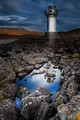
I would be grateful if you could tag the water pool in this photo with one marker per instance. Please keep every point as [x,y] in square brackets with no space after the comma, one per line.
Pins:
[37,79]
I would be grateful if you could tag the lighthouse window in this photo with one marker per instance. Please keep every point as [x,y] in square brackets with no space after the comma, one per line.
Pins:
[48,78]
[50,11]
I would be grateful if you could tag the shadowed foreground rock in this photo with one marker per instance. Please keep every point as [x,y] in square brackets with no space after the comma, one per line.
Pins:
[9,91]
[45,111]
[7,110]
[32,102]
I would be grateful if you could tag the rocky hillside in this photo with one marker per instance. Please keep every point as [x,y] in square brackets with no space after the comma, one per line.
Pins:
[8,33]
[19,58]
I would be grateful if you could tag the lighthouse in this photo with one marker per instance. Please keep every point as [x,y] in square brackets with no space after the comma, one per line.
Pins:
[51,14]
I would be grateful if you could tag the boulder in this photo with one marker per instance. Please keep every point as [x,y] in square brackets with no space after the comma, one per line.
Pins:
[71,110]
[22,74]
[22,92]
[37,66]
[8,92]
[45,111]
[32,102]
[29,68]
[7,73]
[18,68]
[7,110]
[42,93]
[72,89]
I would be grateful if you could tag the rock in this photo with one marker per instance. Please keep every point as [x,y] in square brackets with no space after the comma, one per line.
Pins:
[70,110]
[40,60]
[72,89]
[2,95]
[56,117]
[60,100]
[77,76]
[18,68]
[7,110]
[67,68]
[22,92]
[42,93]
[29,59]
[7,73]
[8,92]
[45,111]
[62,96]
[30,106]
[29,68]
[37,66]
[22,74]
[32,102]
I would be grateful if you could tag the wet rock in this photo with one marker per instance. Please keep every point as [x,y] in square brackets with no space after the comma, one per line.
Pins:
[18,68]
[37,66]
[9,91]
[45,111]
[56,117]
[77,76]
[60,100]
[72,89]
[32,102]
[2,94]
[29,68]
[22,92]
[42,93]
[7,73]
[22,74]
[7,110]
[62,96]
[51,55]
[29,59]
[30,106]
[40,60]
[70,110]
[67,68]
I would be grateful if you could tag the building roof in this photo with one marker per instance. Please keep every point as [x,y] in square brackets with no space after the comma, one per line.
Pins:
[51,6]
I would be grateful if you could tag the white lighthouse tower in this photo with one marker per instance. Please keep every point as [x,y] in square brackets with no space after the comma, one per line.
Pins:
[51,14]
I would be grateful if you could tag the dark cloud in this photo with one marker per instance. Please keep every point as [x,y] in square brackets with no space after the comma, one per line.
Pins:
[8,7]
[30,13]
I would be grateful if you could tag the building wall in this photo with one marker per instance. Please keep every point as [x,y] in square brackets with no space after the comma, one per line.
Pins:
[51,24]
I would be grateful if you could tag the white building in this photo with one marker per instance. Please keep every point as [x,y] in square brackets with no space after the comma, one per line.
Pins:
[51,14]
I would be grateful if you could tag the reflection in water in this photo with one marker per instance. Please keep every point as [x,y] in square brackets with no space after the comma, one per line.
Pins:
[7,41]
[47,77]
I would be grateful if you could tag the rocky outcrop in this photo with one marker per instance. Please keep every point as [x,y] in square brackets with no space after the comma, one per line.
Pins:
[6,72]
[32,102]
[71,110]
[22,92]
[8,92]
[70,76]
[45,111]
[8,110]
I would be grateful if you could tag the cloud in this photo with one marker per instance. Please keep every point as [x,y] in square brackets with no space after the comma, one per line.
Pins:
[30,13]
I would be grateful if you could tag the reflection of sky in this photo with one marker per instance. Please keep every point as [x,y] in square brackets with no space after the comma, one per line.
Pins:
[29,14]
[36,81]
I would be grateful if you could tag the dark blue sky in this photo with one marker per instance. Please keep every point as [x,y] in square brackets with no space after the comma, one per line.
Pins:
[29,14]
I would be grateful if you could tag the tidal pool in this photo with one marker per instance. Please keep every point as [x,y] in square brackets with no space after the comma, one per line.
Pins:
[38,78]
